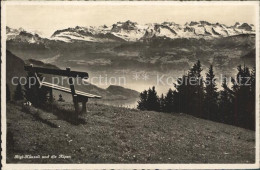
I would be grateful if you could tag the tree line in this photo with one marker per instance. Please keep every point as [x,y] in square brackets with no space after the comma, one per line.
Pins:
[198,97]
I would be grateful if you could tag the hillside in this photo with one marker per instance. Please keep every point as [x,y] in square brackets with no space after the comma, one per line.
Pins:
[119,135]
[121,91]
[15,68]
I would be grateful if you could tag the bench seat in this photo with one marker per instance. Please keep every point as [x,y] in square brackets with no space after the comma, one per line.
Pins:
[68,90]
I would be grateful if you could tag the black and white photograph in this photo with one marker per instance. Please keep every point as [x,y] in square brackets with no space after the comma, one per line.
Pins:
[123,84]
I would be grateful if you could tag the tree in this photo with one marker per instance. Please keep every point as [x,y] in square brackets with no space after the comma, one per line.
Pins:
[252,100]
[225,105]
[182,99]
[8,93]
[162,103]
[252,82]
[189,94]
[169,101]
[18,94]
[142,103]
[241,99]
[33,92]
[211,96]
[196,89]
[153,100]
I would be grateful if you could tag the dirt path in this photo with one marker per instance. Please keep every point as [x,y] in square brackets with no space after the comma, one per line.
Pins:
[119,135]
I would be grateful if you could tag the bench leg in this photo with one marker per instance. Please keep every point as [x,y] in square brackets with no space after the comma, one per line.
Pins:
[51,96]
[76,105]
[84,108]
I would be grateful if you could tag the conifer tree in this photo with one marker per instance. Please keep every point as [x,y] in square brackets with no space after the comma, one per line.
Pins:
[18,94]
[196,89]
[153,102]
[182,101]
[142,103]
[189,92]
[211,96]
[252,109]
[241,97]
[169,101]
[225,105]
[162,103]
[252,83]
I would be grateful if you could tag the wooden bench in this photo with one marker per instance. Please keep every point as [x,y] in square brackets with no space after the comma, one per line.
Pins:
[77,96]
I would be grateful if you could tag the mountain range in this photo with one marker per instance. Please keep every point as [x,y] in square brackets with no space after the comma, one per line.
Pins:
[128,48]
[132,31]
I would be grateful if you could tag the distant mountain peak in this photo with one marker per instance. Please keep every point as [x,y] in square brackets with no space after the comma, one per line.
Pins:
[237,24]
[192,23]
[245,26]
[128,26]
[23,35]
[205,23]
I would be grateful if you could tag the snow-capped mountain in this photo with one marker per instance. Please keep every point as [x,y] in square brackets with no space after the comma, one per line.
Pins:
[23,36]
[200,29]
[131,31]
[94,34]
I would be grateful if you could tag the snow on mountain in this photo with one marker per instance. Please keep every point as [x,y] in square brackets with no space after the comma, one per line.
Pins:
[67,36]
[12,33]
[129,31]
[91,34]
[200,29]
[132,31]
[23,36]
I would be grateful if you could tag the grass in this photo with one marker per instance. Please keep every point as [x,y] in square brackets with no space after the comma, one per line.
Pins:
[119,135]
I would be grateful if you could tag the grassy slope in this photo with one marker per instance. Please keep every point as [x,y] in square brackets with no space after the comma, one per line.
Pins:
[120,135]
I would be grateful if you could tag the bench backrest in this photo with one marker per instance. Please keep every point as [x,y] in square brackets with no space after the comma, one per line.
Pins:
[66,72]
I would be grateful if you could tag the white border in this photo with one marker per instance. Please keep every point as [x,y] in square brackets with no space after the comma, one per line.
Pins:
[121,166]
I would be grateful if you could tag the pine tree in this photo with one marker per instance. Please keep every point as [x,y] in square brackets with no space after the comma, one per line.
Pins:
[182,102]
[8,93]
[153,102]
[251,101]
[169,101]
[189,94]
[241,97]
[142,103]
[225,105]
[252,82]
[211,96]
[162,103]
[196,89]
[18,94]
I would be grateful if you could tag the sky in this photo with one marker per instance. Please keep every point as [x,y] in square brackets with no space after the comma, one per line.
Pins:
[49,18]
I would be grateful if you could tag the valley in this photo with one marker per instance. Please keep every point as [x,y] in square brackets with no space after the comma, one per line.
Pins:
[169,53]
